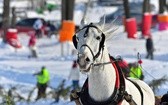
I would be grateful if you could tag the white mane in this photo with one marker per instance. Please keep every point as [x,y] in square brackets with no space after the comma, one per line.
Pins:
[107,28]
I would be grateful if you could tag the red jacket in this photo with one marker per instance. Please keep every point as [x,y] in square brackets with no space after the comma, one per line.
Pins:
[123,64]
[32,41]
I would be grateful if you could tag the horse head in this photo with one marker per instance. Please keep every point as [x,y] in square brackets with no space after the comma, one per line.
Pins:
[89,41]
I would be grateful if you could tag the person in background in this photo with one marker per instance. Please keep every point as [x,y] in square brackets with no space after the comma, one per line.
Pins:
[38,25]
[136,71]
[74,75]
[124,65]
[51,29]
[164,99]
[149,48]
[32,45]
[157,100]
[43,78]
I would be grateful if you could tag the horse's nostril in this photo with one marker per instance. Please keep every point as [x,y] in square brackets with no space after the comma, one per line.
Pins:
[87,59]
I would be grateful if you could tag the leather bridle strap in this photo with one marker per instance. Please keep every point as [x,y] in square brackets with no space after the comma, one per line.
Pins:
[85,45]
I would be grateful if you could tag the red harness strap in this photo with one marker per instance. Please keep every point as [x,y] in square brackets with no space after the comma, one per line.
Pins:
[117,79]
[117,84]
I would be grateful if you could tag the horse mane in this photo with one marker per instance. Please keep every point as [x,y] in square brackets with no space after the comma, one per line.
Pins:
[109,29]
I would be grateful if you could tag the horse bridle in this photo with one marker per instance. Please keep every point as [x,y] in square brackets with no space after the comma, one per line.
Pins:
[101,45]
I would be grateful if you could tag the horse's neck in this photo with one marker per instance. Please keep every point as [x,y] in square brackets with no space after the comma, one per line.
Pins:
[102,81]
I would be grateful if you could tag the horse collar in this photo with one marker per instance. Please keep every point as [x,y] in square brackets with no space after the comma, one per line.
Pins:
[117,96]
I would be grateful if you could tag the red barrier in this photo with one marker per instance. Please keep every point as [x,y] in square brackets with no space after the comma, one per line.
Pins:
[131,28]
[12,39]
[11,33]
[146,24]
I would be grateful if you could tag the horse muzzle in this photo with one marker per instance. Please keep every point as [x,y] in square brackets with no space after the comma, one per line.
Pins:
[84,62]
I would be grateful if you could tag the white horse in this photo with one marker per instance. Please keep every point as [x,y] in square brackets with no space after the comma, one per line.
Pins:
[106,85]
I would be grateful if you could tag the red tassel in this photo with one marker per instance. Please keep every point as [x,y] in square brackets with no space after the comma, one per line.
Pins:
[140,61]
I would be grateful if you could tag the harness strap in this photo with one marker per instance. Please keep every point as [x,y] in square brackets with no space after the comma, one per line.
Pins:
[129,99]
[87,100]
[139,88]
[74,96]
[121,78]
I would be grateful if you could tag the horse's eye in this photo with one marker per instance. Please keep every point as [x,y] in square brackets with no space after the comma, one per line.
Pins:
[98,37]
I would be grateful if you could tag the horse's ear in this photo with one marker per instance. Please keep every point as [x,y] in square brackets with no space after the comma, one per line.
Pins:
[83,22]
[101,23]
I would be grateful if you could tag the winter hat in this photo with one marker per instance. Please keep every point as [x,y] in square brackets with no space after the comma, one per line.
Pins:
[164,98]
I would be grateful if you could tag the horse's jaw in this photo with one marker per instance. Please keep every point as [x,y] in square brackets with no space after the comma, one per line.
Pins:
[102,83]
[85,70]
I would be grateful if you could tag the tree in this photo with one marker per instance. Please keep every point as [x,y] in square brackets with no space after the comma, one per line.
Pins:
[66,14]
[32,4]
[126,8]
[5,17]
[162,6]
[67,9]
[146,6]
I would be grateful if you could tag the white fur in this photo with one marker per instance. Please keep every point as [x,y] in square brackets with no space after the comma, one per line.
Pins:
[102,78]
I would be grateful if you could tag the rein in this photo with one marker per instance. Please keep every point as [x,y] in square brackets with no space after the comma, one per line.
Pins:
[98,64]
[85,45]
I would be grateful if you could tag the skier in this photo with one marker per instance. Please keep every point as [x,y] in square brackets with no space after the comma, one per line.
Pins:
[136,71]
[124,65]
[38,25]
[43,78]
[164,99]
[74,75]
[149,48]
[32,46]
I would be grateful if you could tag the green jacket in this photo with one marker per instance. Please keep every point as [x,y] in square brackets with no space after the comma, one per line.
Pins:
[136,72]
[43,77]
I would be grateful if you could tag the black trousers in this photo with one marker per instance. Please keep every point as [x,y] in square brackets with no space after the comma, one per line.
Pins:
[38,33]
[41,90]
[149,54]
